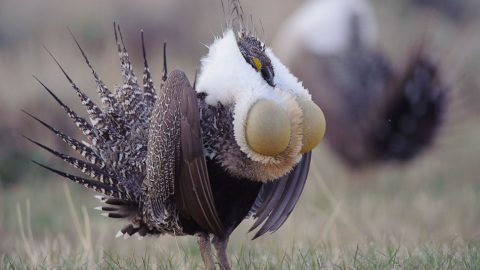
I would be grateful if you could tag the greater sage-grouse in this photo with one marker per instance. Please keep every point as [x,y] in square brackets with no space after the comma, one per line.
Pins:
[198,160]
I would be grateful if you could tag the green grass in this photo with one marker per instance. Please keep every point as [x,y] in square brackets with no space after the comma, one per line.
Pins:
[428,256]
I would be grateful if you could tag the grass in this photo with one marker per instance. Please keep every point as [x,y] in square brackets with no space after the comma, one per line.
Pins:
[369,256]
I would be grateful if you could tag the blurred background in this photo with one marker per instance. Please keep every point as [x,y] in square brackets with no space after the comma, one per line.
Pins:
[434,198]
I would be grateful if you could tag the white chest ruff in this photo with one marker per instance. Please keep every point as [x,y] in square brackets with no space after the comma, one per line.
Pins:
[229,80]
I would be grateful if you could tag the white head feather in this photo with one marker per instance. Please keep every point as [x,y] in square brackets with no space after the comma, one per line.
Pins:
[324,27]
[226,77]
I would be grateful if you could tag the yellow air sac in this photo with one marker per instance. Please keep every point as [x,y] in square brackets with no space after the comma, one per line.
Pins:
[314,125]
[268,128]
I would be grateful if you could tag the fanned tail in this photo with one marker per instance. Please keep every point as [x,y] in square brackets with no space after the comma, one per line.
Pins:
[413,113]
[84,150]
[98,118]
[148,85]
[129,95]
[92,184]
[87,129]
[114,158]
[86,168]
[106,96]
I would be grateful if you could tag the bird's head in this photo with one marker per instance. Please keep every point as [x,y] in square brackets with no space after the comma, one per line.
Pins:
[253,50]
[274,118]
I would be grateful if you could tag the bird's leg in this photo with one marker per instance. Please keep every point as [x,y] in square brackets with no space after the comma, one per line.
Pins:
[203,240]
[220,245]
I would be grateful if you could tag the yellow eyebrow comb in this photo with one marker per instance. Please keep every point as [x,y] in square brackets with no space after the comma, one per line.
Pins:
[257,63]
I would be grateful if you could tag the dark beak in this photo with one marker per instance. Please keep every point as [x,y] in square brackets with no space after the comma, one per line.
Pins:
[268,75]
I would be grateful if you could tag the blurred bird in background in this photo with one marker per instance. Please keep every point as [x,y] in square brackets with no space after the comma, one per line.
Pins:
[376,112]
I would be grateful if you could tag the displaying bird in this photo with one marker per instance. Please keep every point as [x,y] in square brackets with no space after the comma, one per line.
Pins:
[197,160]
[376,113]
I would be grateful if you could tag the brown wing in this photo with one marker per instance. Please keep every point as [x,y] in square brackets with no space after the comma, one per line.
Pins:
[176,167]
[195,194]
[277,199]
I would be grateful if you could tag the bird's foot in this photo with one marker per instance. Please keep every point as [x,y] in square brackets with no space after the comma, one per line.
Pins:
[203,241]
[220,245]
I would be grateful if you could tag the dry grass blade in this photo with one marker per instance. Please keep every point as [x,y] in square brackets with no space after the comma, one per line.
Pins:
[27,238]
[84,234]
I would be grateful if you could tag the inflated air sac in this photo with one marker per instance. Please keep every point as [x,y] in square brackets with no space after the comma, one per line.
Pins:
[267,129]
[314,125]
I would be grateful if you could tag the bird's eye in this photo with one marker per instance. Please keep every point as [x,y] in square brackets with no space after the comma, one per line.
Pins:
[257,63]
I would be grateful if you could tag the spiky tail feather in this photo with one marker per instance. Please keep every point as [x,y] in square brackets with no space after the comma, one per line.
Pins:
[84,150]
[103,181]
[92,184]
[114,158]
[413,113]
